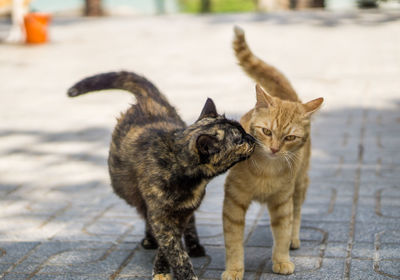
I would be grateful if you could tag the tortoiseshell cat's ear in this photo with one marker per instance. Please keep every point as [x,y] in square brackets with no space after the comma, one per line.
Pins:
[263,98]
[312,106]
[209,110]
[207,145]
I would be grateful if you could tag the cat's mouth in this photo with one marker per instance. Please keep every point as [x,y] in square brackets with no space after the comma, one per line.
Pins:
[273,156]
[268,154]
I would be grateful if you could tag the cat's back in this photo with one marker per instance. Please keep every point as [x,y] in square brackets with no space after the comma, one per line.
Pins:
[135,125]
[139,142]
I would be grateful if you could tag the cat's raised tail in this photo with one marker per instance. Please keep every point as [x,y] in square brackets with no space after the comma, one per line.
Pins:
[148,97]
[270,78]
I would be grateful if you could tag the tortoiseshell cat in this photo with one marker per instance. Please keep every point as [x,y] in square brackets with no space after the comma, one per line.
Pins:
[161,166]
[276,173]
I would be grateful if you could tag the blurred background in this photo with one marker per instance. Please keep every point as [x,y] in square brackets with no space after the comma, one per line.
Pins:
[123,7]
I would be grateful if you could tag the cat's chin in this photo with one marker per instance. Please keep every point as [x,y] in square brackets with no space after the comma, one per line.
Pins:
[273,156]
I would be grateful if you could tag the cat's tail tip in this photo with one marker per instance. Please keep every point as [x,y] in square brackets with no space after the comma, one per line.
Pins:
[73,92]
[239,32]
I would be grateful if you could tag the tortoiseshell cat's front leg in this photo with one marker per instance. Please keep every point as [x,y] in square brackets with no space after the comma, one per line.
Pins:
[168,233]
[192,242]
[161,269]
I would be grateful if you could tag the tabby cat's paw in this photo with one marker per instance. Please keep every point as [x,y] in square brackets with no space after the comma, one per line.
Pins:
[196,251]
[232,275]
[283,268]
[162,277]
[295,244]
[149,244]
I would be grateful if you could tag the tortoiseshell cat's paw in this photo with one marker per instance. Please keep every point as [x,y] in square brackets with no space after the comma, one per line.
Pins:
[149,243]
[232,275]
[162,277]
[196,251]
[283,268]
[295,244]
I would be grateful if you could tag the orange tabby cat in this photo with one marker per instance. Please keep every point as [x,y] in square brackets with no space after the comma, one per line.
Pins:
[276,173]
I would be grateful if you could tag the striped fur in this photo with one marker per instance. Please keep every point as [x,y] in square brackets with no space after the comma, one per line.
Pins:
[276,173]
[274,82]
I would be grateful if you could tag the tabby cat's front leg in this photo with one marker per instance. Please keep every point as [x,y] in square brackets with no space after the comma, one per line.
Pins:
[168,234]
[235,206]
[281,212]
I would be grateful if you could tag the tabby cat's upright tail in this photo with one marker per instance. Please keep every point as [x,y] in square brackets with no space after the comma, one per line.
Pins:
[149,98]
[266,75]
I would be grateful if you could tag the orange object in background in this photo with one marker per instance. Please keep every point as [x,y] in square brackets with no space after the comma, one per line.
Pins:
[36,27]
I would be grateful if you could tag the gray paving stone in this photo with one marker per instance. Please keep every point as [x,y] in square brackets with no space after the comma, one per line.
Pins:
[140,265]
[364,269]
[331,269]
[338,231]
[101,266]
[389,267]
[366,232]
[336,250]
[26,267]
[216,275]
[49,249]
[363,250]
[4,267]
[389,251]
[262,236]
[16,276]
[11,252]
[69,277]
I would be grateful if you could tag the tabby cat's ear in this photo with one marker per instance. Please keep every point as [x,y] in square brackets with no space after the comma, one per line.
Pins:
[312,106]
[209,110]
[263,98]
[207,145]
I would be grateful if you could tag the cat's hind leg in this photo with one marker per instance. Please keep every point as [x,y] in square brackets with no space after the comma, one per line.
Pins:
[193,246]
[149,242]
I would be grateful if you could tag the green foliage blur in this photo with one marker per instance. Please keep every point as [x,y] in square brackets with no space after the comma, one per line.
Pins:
[219,6]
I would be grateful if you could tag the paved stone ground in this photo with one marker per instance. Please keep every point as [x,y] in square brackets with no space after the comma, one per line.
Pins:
[59,218]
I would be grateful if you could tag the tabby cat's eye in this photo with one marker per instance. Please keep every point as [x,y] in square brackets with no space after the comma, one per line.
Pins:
[266,131]
[290,138]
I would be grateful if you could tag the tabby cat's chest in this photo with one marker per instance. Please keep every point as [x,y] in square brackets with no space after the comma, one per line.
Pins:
[265,178]
[265,186]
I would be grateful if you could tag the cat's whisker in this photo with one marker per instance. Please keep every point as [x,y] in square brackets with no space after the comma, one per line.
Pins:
[288,160]
[254,163]
[258,142]
[294,155]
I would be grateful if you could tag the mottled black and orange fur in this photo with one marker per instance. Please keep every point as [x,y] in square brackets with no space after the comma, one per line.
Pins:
[161,166]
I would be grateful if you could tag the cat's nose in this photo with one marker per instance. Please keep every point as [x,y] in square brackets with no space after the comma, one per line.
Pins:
[274,150]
